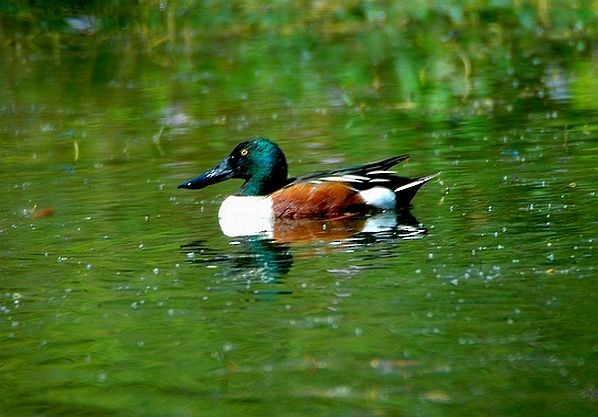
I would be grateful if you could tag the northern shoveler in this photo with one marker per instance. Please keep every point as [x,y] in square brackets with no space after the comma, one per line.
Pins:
[269,194]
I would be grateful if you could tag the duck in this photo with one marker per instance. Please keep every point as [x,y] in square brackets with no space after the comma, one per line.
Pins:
[268,193]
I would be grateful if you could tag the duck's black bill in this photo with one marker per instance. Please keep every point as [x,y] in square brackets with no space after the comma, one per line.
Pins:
[221,172]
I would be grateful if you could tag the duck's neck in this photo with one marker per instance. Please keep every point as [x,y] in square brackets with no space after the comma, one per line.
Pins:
[259,185]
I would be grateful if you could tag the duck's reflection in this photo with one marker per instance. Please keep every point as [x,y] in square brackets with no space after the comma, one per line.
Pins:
[382,225]
[266,256]
[250,259]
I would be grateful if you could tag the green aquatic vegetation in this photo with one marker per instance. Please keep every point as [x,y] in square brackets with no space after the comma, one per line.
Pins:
[214,18]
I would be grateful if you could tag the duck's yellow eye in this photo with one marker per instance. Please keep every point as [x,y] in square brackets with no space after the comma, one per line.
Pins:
[244,152]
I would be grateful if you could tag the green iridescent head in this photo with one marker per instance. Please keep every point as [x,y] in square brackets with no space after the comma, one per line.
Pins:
[259,162]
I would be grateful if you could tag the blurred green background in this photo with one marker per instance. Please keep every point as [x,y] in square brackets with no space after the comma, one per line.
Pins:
[129,300]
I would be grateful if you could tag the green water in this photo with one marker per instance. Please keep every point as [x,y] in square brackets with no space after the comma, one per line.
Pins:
[129,300]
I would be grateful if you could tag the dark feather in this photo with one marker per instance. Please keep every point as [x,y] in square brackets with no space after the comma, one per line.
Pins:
[383,165]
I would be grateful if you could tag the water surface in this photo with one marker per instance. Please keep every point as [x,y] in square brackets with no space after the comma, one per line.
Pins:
[120,295]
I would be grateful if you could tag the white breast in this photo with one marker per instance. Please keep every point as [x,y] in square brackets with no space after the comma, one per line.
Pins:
[246,216]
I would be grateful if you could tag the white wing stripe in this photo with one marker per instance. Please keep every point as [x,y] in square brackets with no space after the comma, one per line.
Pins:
[381,172]
[340,179]
[416,183]
[356,177]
